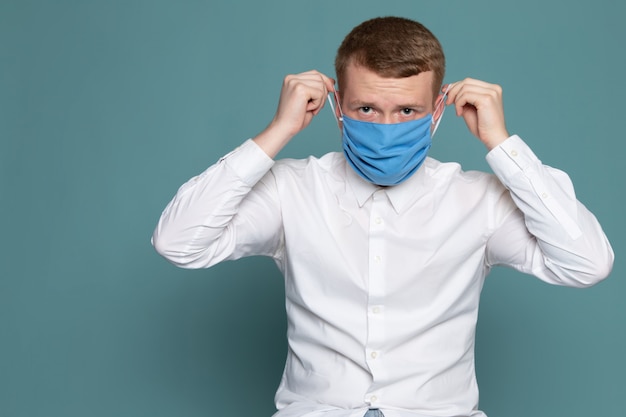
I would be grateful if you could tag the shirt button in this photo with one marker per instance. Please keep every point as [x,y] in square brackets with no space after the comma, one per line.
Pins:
[376,310]
[379,195]
[544,195]
[513,153]
[377,259]
[373,399]
[374,355]
[378,220]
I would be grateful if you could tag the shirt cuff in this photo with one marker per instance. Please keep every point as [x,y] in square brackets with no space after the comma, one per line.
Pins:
[510,157]
[519,169]
[248,162]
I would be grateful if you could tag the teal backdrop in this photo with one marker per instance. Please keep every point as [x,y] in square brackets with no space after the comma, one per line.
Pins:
[106,107]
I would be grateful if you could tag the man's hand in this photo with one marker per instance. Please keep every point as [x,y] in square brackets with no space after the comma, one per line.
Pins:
[301,98]
[480,105]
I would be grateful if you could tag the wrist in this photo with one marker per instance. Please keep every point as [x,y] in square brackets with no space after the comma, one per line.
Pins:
[496,139]
[272,139]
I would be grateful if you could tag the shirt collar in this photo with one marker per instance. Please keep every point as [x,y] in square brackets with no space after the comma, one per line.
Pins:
[400,195]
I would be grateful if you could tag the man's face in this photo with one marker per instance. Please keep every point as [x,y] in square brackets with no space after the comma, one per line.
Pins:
[368,97]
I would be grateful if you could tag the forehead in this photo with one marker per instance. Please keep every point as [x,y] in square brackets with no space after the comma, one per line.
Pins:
[362,84]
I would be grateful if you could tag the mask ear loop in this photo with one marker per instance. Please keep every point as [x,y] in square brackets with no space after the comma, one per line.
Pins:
[332,106]
[441,103]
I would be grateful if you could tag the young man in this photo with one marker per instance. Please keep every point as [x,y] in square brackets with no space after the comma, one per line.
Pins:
[384,250]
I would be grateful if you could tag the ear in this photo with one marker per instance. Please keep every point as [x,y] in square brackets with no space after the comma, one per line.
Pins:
[338,115]
[336,108]
[439,107]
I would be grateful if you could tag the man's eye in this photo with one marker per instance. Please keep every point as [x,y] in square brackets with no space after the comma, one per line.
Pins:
[366,109]
[407,112]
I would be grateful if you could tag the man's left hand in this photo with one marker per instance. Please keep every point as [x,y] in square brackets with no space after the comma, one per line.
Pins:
[480,105]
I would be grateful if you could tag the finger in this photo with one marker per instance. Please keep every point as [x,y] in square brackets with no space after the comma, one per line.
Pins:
[308,89]
[311,87]
[470,84]
[315,105]
[313,75]
[451,91]
[474,82]
[478,96]
[328,85]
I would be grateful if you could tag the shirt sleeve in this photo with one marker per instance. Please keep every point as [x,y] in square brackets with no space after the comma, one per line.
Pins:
[552,235]
[227,212]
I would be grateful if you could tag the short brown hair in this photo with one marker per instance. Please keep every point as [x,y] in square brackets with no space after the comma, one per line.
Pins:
[392,47]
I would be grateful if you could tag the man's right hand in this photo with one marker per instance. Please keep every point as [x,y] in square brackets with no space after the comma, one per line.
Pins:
[302,98]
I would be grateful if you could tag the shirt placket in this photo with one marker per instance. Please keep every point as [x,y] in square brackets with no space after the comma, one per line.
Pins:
[374,349]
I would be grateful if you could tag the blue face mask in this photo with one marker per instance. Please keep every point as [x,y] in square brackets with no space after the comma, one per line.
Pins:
[386,154]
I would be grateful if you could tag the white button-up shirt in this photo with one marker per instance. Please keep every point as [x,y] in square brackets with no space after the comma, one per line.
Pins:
[383,284]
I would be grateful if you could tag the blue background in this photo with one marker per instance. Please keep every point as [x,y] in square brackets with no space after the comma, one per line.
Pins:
[106,107]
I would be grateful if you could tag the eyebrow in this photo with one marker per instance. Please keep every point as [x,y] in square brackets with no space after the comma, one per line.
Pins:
[359,103]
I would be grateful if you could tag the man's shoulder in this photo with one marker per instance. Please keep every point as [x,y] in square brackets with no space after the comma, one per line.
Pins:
[331,162]
[454,172]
